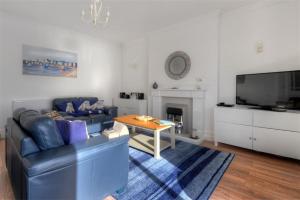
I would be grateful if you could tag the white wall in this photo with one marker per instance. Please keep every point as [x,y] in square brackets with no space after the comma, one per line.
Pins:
[198,38]
[275,24]
[135,66]
[99,64]
[2,118]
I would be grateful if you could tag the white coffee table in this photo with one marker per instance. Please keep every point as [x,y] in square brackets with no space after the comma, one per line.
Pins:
[145,142]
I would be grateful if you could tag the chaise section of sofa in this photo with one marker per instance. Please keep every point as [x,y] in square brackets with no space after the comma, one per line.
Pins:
[90,169]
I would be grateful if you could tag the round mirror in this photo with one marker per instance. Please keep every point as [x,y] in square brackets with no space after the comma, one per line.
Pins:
[177,65]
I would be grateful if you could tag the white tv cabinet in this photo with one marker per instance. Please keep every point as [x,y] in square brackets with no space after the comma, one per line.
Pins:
[265,131]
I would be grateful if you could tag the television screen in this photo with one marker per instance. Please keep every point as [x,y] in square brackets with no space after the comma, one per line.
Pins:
[277,89]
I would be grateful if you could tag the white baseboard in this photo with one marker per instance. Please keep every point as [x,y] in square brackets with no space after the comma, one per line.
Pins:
[209,136]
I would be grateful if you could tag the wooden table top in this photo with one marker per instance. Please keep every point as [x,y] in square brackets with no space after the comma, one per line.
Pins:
[131,120]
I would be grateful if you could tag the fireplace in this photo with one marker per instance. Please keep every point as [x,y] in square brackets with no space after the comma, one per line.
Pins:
[176,115]
[188,112]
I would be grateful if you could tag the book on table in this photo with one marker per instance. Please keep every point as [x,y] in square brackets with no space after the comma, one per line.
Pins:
[164,122]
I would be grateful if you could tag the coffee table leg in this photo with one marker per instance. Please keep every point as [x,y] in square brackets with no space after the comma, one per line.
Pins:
[157,144]
[173,137]
[133,129]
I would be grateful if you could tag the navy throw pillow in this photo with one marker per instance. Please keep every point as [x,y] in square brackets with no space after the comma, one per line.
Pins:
[42,129]
[62,106]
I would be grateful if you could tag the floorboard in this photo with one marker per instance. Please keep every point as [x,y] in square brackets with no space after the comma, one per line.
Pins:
[254,175]
[251,175]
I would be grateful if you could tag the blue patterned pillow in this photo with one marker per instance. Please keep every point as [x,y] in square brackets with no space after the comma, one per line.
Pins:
[65,107]
[98,105]
[77,103]
[93,100]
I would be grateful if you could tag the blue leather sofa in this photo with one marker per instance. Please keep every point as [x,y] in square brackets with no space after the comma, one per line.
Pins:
[90,169]
[95,122]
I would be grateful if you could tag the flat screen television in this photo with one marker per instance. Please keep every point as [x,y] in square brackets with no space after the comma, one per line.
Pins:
[269,90]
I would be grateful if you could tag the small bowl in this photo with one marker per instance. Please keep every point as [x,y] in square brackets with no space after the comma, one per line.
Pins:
[144,118]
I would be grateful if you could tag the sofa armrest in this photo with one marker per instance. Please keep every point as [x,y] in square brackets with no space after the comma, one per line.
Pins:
[61,157]
[112,111]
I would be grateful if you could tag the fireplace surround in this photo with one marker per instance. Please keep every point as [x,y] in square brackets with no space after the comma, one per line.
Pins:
[194,101]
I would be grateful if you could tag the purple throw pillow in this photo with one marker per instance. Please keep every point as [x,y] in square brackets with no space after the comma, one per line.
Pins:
[72,131]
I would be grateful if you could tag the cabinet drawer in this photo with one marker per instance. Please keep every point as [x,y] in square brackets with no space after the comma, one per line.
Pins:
[277,120]
[282,143]
[237,135]
[231,115]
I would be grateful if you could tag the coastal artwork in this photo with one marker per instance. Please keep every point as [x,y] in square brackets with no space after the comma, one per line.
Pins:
[49,62]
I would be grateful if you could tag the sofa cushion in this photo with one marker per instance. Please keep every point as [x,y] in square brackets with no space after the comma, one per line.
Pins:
[72,131]
[28,113]
[97,118]
[96,111]
[111,111]
[82,118]
[79,113]
[23,143]
[17,113]
[54,159]
[42,129]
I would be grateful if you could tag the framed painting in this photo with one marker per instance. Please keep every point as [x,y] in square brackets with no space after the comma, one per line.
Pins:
[48,62]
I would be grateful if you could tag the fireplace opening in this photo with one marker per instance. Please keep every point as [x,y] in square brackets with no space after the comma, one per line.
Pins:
[176,115]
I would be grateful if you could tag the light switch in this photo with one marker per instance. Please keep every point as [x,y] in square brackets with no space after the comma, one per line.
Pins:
[259,47]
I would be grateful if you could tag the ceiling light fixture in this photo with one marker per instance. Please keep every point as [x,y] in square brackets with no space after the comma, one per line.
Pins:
[96,13]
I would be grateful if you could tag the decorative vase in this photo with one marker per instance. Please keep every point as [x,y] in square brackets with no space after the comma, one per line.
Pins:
[155,85]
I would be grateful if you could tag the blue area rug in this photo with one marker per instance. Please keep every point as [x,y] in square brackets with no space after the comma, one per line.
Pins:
[187,172]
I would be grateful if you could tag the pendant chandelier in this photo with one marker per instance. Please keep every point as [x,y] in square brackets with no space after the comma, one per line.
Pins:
[96,13]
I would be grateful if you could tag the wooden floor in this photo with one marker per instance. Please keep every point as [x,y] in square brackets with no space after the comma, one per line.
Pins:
[254,175]
[251,175]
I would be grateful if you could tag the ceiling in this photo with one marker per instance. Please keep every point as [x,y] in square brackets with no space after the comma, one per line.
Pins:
[129,18]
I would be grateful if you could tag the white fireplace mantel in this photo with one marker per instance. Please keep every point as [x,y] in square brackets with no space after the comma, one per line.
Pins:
[183,93]
[198,99]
